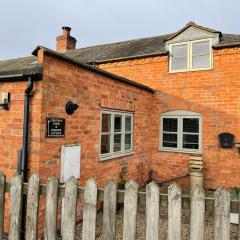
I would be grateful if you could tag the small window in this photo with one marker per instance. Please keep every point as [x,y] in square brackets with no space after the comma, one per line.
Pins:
[116,133]
[180,57]
[192,55]
[180,131]
[200,55]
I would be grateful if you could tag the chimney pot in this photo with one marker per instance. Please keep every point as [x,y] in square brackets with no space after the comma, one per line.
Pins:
[66,31]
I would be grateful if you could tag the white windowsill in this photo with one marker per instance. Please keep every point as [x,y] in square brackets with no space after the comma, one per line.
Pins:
[190,70]
[102,159]
[179,151]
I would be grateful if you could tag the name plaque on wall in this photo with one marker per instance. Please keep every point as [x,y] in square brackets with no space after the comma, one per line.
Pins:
[55,127]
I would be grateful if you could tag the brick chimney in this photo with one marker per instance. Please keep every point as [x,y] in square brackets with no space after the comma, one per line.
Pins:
[65,41]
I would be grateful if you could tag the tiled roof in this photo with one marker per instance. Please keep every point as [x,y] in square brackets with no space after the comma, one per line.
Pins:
[134,48]
[24,65]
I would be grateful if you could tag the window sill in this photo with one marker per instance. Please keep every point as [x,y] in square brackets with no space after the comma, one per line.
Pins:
[191,70]
[102,159]
[180,151]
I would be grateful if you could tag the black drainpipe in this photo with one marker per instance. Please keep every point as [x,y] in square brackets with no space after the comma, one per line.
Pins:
[24,150]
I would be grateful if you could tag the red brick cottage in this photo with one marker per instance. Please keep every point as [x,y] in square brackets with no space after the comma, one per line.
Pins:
[144,106]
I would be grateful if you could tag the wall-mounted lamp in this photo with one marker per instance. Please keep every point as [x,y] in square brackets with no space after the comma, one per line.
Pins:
[4,100]
[237,145]
[71,107]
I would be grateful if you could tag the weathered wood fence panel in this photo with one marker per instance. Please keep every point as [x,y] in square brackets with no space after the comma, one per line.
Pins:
[174,212]
[130,211]
[199,203]
[15,208]
[70,209]
[197,221]
[152,211]
[51,209]
[32,208]
[109,210]
[222,215]
[89,210]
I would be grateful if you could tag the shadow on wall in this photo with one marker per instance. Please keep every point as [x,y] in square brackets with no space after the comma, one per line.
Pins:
[222,166]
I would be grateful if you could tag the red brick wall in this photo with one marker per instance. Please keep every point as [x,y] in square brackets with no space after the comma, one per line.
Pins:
[214,93]
[92,92]
[11,122]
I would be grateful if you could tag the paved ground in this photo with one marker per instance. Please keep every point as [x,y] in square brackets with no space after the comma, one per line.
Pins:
[162,228]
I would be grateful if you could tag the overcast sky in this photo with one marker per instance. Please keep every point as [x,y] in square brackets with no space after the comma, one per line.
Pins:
[27,23]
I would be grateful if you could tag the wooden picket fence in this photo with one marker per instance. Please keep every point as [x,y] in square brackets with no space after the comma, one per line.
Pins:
[174,200]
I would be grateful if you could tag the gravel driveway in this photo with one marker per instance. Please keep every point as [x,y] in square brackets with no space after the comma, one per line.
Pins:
[162,229]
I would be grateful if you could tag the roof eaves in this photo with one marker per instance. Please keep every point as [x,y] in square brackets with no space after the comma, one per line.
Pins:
[92,68]
[21,74]
[226,45]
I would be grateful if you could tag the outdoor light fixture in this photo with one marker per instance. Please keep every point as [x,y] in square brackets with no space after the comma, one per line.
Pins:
[71,107]
[237,145]
[4,100]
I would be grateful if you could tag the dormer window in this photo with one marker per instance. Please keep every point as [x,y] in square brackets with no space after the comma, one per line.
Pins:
[191,56]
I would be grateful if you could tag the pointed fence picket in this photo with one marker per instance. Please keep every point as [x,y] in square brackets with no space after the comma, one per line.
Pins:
[89,210]
[221,205]
[32,208]
[130,211]
[70,209]
[15,208]
[197,221]
[222,215]
[109,210]
[51,209]
[152,211]
[174,212]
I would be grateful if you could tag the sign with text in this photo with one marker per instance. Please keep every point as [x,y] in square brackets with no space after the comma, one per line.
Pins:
[55,127]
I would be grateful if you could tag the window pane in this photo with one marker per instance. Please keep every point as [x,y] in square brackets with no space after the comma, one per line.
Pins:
[179,50]
[200,48]
[117,142]
[117,123]
[169,140]
[179,63]
[128,123]
[105,144]
[200,61]
[128,141]
[170,124]
[106,122]
[190,141]
[191,125]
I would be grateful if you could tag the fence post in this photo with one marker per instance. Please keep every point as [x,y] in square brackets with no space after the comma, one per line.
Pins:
[152,211]
[51,209]
[15,208]
[2,203]
[174,212]
[197,221]
[222,215]
[70,209]
[89,210]
[109,210]
[32,208]
[130,211]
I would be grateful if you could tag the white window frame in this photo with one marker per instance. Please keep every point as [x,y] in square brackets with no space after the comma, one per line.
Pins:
[180,114]
[123,152]
[189,57]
